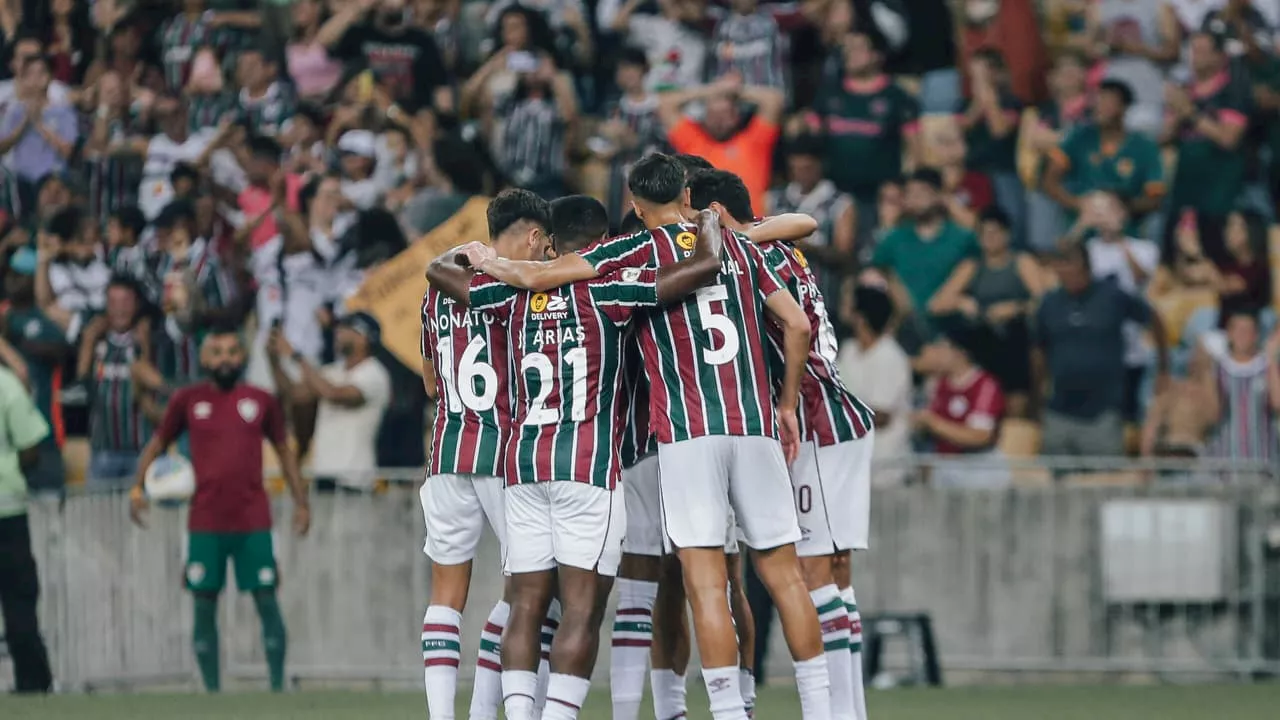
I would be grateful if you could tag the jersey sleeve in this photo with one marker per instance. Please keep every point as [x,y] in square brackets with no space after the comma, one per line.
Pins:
[25,425]
[273,420]
[767,278]
[174,421]
[988,405]
[492,296]
[624,251]
[908,114]
[624,292]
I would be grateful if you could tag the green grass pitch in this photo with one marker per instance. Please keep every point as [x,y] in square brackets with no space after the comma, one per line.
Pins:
[1165,702]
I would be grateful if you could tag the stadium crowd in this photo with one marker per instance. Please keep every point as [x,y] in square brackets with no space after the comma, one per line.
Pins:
[1034,215]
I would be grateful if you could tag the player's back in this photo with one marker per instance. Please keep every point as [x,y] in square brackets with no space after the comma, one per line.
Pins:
[468,350]
[829,413]
[707,356]
[567,348]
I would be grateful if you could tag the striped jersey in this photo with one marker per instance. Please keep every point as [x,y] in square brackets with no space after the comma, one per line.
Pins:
[530,147]
[115,422]
[567,351]
[1248,427]
[751,45]
[182,36]
[468,350]
[706,357]
[828,412]
[637,441]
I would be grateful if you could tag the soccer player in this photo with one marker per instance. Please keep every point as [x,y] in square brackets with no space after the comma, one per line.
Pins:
[717,426]
[230,518]
[568,344]
[832,475]
[466,351]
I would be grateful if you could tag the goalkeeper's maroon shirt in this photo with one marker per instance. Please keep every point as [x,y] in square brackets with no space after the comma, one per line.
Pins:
[226,429]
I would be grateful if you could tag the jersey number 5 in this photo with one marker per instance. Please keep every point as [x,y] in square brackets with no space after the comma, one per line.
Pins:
[460,390]
[713,321]
[539,413]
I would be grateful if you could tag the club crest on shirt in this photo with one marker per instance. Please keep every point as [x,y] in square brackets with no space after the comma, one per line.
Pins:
[248,409]
[631,274]
[958,406]
[686,240]
[202,410]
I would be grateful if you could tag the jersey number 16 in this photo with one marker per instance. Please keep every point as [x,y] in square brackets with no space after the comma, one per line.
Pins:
[460,389]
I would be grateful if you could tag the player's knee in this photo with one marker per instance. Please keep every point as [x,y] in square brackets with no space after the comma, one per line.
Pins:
[816,571]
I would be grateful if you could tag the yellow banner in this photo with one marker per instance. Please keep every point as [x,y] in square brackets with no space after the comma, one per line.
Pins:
[393,292]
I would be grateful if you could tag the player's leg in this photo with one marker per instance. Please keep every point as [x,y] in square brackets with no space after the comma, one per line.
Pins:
[849,463]
[842,576]
[637,589]
[530,559]
[588,524]
[454,521]
[693,477]
[671,643]
[206,574]
[256,573]
[745,624]
[486,689]
[819,505]
[760,489]
[550,625]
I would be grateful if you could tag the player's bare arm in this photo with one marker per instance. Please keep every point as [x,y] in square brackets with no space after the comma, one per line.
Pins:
[788,226]
[154,448]
[956,433]
[451,274]
[678,281]
[790,317]
[540,276]
[297,486]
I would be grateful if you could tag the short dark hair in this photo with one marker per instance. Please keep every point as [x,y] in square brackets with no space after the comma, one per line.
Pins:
[992,57]
[631,223]
[723,187]
[67,223]
[961,335]
[632,55]
[874,306]
[131,218]
[1240,311]
[926,175]
[657,179]
[577,221]
[174,213]
[513,206]
[456,160]
[808,145]
[262,146]
[184,170]
[127,282]
[996,215]
[1069,250]
[1120,88]
[1219,40]
[311,112]
[692,162]
[225,327]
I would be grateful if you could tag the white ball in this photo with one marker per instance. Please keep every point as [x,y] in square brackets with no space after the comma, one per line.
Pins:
[170,477]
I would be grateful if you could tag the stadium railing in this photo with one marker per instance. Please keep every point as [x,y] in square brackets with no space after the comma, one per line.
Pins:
[1029,566]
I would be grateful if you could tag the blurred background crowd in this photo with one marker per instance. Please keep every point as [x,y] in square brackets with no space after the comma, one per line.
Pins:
[1043,223]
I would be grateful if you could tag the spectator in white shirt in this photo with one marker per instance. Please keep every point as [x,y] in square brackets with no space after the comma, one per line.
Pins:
[352,394]
[358,152]
[876,369]
[71,276]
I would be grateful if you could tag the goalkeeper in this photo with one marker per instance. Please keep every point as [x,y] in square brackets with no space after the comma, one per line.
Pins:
[230,517]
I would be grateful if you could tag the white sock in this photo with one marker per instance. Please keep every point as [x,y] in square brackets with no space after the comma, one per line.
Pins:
[747,685]
[632,638]
[723,693]
[549,627]
[486,693]
[855,653]
[669,693]
[565,696]
[814,688]
[441,653]
[518,688]
[834,619]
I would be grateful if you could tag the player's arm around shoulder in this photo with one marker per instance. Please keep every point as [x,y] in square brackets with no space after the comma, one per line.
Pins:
[677,281]
[451,271]
[788,226]
[541,276]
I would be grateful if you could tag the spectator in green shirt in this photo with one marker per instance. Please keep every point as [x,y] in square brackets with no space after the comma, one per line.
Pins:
[923,251]
[1206,121]
[1102,155]
[21,430]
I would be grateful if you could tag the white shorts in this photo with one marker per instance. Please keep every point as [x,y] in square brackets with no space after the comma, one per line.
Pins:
[833,496]
[644,510]
[564,523]
[456,507]
[704,478]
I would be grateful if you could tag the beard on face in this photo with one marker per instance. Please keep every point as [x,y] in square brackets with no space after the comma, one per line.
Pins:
[227,375]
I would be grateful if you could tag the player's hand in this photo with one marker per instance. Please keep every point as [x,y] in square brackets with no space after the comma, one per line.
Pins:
[301,519]
[475,254]
[789,433]
[138,506]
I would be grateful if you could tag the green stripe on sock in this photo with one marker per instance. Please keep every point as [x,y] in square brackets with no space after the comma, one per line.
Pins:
[441,646]
[490,646]
[835,645]
[855,647]
[635,627]
[830,607]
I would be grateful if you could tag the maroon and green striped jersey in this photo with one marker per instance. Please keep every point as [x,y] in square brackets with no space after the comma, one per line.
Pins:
[637,441]
[468,349]
[828,412]
[706,358]
[566,347]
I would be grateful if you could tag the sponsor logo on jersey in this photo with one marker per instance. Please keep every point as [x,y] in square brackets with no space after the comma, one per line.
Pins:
[800,258]
[631,274]
[548,307]
[686,240]
[538,303]
[202,410]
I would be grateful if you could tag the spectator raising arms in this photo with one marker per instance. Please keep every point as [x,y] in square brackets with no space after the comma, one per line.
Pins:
[747,42]
[313,72]
[529,142]
[990,123]
[673,41]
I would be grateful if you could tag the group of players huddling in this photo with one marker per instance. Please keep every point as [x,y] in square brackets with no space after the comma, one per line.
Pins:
[633,407]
